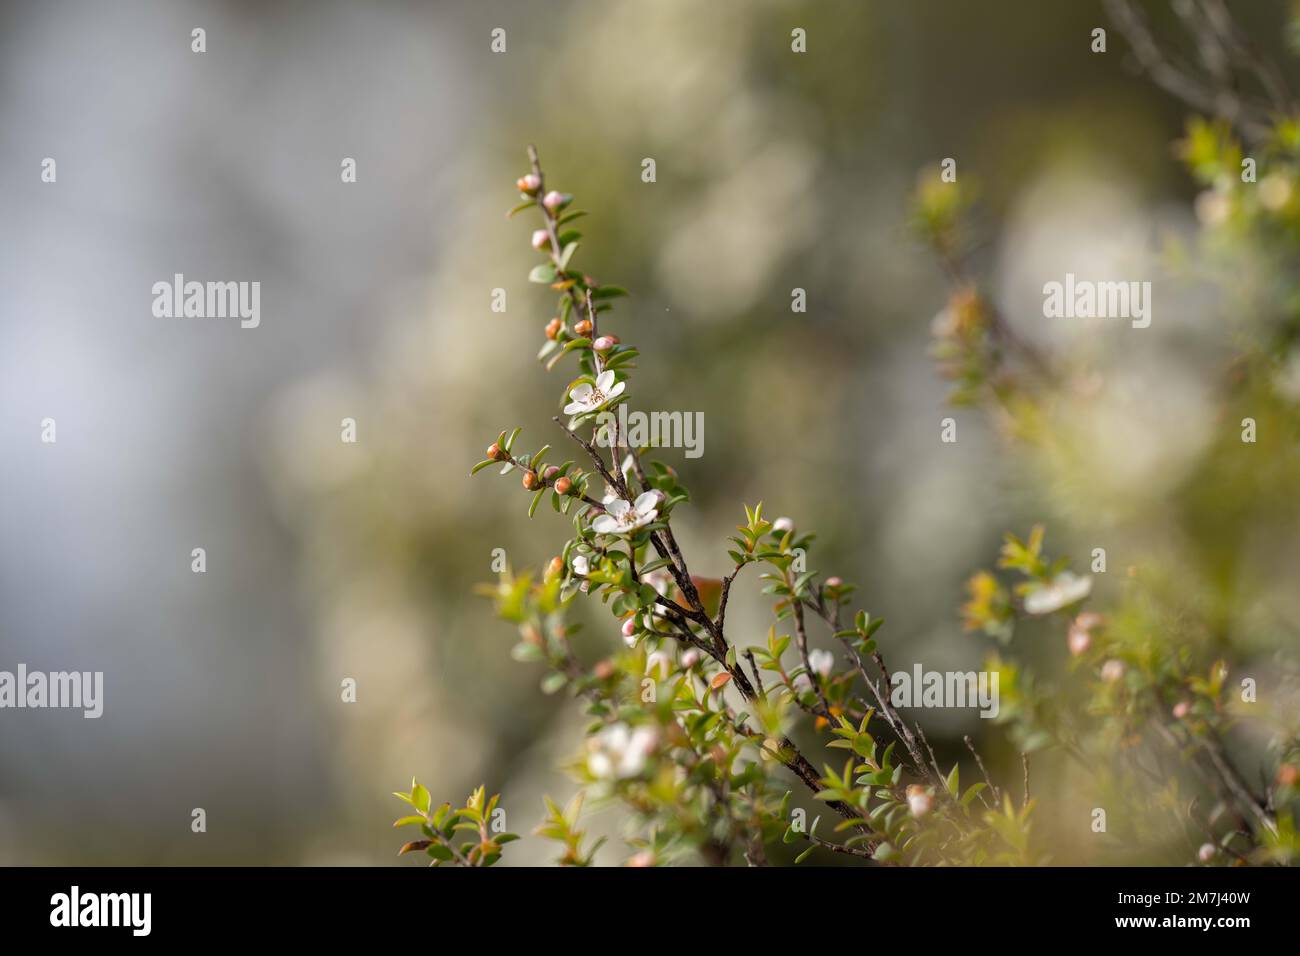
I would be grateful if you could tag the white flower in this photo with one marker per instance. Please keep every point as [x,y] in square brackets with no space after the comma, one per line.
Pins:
[821,661]
[1063,590]
[783,525]
[802,684]
[587,398]
[618,752]
[580,566]
[622,517]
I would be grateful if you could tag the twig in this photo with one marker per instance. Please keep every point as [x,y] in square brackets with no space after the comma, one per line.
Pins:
[1024,761]
[993,789]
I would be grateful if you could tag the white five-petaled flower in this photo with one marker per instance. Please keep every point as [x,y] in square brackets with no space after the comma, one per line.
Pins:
[821,661]
[586,397]
[619,752]
[624,517]
[1063,590]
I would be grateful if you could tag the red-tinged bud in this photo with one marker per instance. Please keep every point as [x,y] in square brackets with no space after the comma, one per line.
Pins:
[550,472]
[495,453]
[528,185]
[553,568]
[1287,775]
[541,240]
[603,670]
[555,201]
[643,859]
[834,582]
[1079,641]
[629,627]
[532,636]
[530,480]
[1181,710]
[553,328]
[1207,852]
[563,485]
[605,343]
[582,327]
[919,801]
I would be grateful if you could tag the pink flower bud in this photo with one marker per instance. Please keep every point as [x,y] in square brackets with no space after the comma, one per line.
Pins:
[1088,620]
[541,239]
[834,582]
[605,343]
[782,525]
[1207,852]
[528,185]
[690,657]
[555,200]
[1181,710]
[629,627]
[1079,641]
[1112,671]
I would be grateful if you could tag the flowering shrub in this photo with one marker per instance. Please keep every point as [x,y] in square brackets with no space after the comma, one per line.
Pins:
[705,738]
[692,730]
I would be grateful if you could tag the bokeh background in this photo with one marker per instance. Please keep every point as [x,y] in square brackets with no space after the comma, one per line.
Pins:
[328,560]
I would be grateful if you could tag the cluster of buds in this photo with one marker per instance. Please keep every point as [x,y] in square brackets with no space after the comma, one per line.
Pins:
[532,480]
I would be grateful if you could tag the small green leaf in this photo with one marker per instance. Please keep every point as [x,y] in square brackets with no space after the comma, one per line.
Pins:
[420,797]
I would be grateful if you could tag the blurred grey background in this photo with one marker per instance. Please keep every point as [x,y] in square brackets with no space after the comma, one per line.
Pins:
[327,560]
